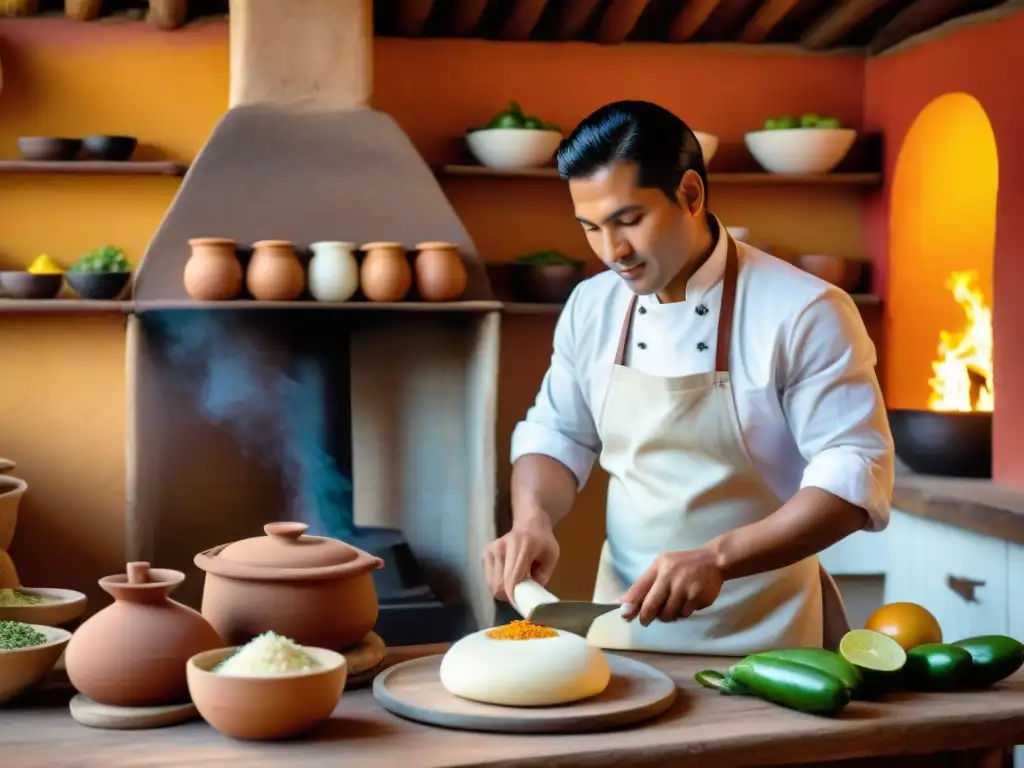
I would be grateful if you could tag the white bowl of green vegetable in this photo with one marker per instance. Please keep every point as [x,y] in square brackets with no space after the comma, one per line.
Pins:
[28,653]
[807,145]
[48,607]
[512,140]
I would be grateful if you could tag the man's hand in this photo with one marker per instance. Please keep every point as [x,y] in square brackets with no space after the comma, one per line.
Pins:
[676,585]
[529,549]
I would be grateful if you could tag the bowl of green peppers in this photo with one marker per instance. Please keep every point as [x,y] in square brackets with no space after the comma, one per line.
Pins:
[544,277]
[513,139]
[101,274]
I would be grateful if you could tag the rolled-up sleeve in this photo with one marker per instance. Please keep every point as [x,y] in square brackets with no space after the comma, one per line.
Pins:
[560,423]
[835,408]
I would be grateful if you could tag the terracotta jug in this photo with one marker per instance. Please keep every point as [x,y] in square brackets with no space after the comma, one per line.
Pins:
[333,271]
[133,653]
[385,274]
[213,271]
[440,273]
[275,272]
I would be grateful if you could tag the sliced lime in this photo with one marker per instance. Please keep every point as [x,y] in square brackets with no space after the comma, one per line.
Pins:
[872,650]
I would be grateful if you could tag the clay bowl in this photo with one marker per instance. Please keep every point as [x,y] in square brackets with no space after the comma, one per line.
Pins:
[115,148]
[6,465]
[49,149]
[100,286]
[544,283]
[25,285]
[266,708]
[11,491]
[22,669]
[842,273]
[62,607]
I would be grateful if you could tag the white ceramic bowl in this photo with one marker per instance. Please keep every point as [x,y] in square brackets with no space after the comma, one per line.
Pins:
[708,145]
[21,669]
[800,150]
[511,148]
[62,606]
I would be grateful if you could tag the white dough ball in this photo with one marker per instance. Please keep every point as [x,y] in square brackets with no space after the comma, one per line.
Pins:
[524,673]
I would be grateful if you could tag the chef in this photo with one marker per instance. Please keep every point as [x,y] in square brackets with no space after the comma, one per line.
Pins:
[730,396]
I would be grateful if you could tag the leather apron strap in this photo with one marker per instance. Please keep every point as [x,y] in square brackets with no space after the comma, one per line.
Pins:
[724,343]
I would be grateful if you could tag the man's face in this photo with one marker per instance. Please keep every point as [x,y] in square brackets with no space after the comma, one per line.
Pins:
[638,232]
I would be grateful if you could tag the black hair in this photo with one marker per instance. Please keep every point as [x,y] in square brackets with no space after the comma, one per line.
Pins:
[662,146]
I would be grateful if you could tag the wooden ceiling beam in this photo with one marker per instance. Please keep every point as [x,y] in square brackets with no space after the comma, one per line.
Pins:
[619,20]
[523,19]
[691,19]
[572,18]
[466,18]
[915,18]
[412,15]
[838,22]
[765,20]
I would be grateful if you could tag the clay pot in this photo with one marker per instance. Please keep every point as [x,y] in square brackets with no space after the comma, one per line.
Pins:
[275,272]
[333,271]
[385,274]
[213,271]
[6,465]
[11,491]
[133,653]
[316,590]
[440,273]
[842,273]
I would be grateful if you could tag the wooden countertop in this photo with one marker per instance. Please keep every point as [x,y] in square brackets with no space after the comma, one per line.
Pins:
[702,728]
[975,505]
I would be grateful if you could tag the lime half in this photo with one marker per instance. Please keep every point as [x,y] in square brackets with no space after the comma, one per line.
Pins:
[872,650]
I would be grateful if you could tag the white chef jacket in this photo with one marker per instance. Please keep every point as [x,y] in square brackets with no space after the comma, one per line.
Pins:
[801,364]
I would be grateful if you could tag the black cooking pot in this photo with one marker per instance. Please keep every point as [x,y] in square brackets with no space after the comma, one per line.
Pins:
[944,444]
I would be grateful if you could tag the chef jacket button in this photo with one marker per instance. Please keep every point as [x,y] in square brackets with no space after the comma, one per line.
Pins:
[701,310]
[643,310]
[641,345]
[701,346]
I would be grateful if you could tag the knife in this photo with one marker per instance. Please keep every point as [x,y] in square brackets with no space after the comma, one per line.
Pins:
[536,604]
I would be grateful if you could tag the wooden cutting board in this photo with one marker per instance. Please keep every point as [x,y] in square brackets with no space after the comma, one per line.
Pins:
[636,692]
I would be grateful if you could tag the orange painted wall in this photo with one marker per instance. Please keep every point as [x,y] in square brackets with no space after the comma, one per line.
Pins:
[61,379]
[979,61]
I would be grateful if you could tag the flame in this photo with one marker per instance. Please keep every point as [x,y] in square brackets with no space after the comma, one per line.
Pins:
[963,371]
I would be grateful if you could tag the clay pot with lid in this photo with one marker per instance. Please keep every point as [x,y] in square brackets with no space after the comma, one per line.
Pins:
[440,273]
[133,653]
[316,590]
[275,272]
[385,274]
[213,271]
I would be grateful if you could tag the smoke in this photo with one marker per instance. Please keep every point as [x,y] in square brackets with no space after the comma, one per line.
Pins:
[273,403]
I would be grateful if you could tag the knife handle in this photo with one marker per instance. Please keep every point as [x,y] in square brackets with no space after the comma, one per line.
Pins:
[528,594]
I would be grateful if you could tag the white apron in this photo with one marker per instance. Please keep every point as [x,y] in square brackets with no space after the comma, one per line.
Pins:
[680,476]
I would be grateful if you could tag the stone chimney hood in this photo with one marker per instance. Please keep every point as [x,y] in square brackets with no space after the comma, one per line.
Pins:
[299,155]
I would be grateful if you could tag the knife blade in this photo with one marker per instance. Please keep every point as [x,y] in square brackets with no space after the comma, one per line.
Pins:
[536,604]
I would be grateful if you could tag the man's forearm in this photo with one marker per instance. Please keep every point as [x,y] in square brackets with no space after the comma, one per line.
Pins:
[542,487]
[808,523]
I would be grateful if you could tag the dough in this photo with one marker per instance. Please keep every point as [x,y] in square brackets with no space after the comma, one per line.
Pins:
[524,673]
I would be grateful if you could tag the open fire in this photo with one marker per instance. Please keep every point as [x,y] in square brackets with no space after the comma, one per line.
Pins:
[963,371]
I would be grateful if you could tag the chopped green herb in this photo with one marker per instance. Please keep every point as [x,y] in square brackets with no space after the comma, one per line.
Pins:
[15,634]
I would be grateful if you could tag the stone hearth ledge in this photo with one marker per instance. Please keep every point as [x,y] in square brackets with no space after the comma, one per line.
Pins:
[982,506]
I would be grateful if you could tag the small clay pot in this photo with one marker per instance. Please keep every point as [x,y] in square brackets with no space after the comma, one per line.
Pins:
[440,273]
[385,274]
[12,489]
[213,271]
[275,272]
[133,653]
[316,590]
[842,273]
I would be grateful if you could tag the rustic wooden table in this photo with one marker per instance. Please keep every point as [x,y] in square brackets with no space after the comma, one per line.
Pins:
[703,728]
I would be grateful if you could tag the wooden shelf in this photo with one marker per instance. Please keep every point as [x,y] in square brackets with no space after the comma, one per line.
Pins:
[63,307]
[95,167]
[747,179]
[86,307]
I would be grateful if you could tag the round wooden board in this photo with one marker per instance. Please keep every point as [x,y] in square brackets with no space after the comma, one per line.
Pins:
[90,713]
[636,692]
